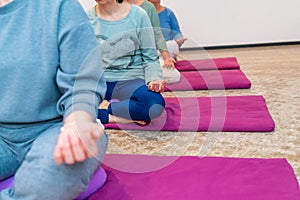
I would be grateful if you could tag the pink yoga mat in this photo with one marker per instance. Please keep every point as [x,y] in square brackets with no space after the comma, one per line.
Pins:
[228,113]
[208,64]
[197,178]
[211,80]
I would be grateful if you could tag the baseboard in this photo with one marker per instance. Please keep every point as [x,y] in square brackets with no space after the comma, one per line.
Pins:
[240,46]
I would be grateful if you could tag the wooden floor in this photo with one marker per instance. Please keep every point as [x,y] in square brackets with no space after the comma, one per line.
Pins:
[275,73]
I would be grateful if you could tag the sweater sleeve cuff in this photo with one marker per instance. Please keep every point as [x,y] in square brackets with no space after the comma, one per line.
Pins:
[91,109]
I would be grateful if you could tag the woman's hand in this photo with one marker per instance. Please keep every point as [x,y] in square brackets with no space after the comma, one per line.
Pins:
[157,85]
[169,63]
[181,41]
[77,140]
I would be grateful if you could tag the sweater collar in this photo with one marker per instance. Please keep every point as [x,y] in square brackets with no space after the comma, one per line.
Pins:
[11,7]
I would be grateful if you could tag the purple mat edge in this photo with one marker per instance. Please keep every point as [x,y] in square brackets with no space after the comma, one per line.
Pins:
[269,127]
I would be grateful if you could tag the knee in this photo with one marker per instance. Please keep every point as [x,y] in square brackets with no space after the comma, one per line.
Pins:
[173,48]
[174,76]
[38,171]
[157,106]
[62,182]
[102,146]
[150,104]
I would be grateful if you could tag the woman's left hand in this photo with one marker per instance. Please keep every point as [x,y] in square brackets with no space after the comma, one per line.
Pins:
[169,62]
[157,85]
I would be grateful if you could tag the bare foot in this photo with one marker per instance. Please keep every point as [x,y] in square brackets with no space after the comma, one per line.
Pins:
[104,104]
[114,119]
[121,120]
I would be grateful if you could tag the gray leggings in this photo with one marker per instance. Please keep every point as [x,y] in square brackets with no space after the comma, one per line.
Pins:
[27,153]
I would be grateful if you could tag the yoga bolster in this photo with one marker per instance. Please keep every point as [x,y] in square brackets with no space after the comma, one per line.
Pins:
[96,182]
[210,80]
[208,64]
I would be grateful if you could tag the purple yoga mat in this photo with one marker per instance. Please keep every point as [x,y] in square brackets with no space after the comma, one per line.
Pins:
[211,80]
[227,113]
[208,64]
[193,178]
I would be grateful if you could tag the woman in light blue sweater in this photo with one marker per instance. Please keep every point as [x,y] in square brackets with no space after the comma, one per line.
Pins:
[51,85]
[132,69]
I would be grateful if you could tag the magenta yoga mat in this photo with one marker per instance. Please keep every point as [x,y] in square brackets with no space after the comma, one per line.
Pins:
[208,64]
[210,80]
[96,182]
[222,113]
[140,177]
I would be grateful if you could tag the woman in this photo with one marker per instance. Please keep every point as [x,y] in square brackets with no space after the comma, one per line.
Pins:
[170,27]
[170,73]
[52,84]
[131,65]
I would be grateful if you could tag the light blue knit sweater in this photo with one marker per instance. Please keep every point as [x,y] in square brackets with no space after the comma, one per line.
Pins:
[50,62]
[127,46]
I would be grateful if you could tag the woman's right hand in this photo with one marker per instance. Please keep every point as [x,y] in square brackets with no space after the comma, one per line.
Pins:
[78,138]
[181,41]
[157,85]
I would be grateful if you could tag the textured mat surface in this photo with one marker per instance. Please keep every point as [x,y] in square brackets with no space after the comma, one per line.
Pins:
[140,177]
[223,113]
[210,80]
[208,64]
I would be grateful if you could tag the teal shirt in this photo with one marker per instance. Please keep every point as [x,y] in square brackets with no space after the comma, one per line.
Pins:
[152,14]
[49,62]
[127,47]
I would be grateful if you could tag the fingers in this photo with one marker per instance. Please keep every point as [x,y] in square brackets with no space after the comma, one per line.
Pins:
[157,86]
[98,131]
[181,41]
[170,63]
[173,65]
[77,149]
[90,142]
[161,87]
[153,87]
[163,82]
[76,145]
[67,150]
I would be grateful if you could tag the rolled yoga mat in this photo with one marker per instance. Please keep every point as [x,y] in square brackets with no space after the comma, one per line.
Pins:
[223,113]
[210,80]
[140,177]
[208,64]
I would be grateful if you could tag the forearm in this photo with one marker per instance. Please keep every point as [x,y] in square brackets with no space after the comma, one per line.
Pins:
[165,55]
[78,116]
[84,89]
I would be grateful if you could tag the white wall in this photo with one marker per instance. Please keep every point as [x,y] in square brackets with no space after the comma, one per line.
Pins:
[234,22]
[87,4]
